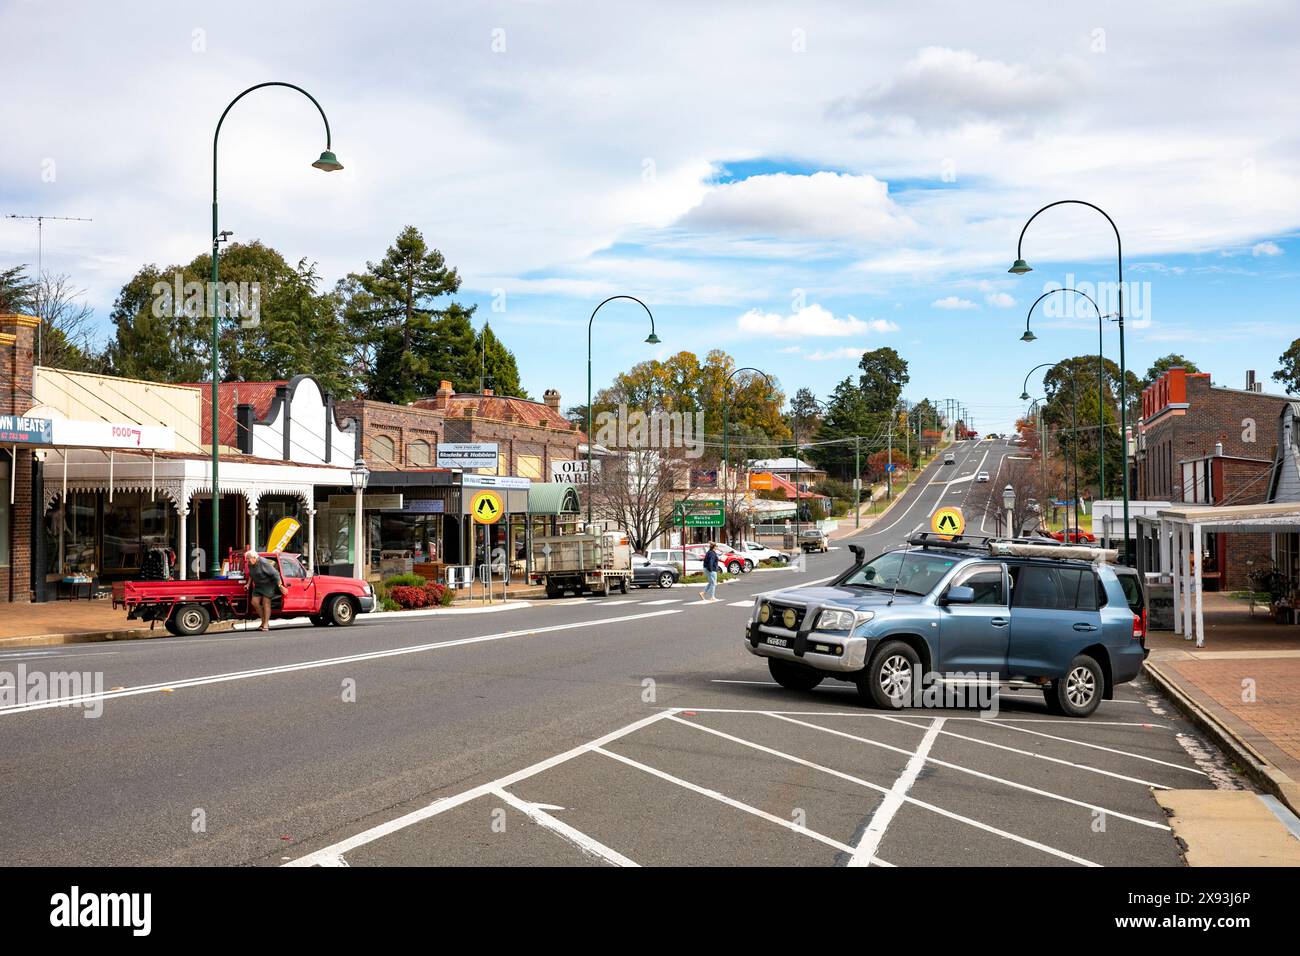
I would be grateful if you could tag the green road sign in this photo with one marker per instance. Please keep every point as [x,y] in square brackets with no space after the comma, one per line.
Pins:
[699,514]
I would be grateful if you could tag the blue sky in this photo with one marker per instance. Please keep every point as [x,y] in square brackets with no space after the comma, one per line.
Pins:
[794,183]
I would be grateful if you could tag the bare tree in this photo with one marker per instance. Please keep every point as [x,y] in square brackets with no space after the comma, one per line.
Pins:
[636,489]
[66,325]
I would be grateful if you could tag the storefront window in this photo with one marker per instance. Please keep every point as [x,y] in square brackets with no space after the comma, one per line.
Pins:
[270,510]
[79,535]
[334,537]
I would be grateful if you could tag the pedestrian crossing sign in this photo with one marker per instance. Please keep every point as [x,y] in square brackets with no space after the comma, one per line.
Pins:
[948,521]
[486,507]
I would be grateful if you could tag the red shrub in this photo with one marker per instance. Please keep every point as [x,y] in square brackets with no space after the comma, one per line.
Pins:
[409,596]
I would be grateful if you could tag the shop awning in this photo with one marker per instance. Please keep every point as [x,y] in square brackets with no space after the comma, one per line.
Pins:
[553,498]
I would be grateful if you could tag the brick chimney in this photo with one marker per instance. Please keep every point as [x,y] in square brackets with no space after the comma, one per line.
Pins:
[18,333]
[488,392]
[442,398]
[552,399]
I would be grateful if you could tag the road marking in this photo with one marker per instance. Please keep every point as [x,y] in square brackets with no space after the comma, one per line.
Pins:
[749,603]
[382,830]
[168,686]
[990,777]
[866,849]
[663,601]
[1111,750]
[586,844]
[735,804]
[1025,841]
[762,683]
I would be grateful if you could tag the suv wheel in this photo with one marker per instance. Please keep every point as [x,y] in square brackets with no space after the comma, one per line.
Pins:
[793,676]
[1079,692]
[890,676]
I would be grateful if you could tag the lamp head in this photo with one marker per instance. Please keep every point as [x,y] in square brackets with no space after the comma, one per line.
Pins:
[328,162]
[652,339]
[1020,267]
[1024,396]
[1029,336]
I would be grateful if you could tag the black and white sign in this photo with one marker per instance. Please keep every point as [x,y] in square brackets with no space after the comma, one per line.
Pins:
[572,472]
[467,454]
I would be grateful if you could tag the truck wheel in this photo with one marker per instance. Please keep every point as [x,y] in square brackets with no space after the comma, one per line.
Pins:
[320,620]
[190,619]
[340,611]
[622,585]
[604,587]
[894,670]
[793,676]
[552,591]
[666,579]
[171,627]
[1078,693]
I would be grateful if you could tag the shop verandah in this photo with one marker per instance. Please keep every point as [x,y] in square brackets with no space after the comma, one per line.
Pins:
[105,512]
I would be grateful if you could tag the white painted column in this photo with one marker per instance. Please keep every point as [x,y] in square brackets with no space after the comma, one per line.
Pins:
[1175,571]
[1200,615]
[252,522]
[311,539]
[183,551]
[1185,556]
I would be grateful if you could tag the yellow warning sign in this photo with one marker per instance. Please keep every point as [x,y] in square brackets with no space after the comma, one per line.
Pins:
[486,507]
[948,521]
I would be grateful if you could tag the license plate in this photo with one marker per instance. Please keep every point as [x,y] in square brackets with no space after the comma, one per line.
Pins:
[779,641]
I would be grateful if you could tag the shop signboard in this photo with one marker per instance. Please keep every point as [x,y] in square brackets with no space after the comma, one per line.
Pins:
[572,472]
[81,434]
[495,481]
[368,502]
[425,506]
[21,430]
[468,454]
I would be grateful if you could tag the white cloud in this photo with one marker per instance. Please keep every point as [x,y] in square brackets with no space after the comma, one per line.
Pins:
[951,302]
[812,321]
[1266,249]
[834,355]
[1000,300]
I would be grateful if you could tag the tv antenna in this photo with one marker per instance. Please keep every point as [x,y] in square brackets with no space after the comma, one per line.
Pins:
[40,253]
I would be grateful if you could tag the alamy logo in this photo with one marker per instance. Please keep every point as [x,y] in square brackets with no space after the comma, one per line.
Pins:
[656,429]
[23,690]
[243,299]
[75,908]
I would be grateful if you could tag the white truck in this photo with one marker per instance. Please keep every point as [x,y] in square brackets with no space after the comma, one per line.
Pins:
[600,563]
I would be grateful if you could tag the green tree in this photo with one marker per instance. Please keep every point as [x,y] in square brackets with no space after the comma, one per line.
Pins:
[851,416]
[1289,373]
[415,343]
[1164,364]
[154,340]
[17,291]
[500,371]
[884,373]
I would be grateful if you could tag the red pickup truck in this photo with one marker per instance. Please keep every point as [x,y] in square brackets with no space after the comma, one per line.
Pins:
[188,607]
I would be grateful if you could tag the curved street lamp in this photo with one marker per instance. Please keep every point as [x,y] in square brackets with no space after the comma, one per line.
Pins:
[1101,378]
[1074,444]
[651,339]
[1020,267]
[327,162]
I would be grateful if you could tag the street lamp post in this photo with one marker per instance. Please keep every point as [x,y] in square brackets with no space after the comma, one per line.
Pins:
[327,162]
[726,408]
[1019,267]
[651,339]
[1074,428]
[1101,378]
[360,478]
[1009,502]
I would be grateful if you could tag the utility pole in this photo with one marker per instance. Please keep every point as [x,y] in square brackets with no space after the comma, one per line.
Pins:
[857,481]
[889,468]
[40,255]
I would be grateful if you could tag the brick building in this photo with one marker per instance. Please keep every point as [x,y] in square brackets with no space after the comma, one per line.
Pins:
[17,463]
[1208,444]
[530,435]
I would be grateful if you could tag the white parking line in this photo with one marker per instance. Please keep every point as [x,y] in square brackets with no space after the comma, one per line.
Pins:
[169,686]
[1025,841]
[336,850]
[1111,750]
[749,603]
[990,777]
[586,844]
[663,601]
[866,849]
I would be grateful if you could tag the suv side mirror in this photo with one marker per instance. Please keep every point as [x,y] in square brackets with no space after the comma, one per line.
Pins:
[960,594]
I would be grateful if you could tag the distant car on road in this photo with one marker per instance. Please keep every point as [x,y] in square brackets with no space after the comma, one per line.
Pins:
[1075,535]
[982,476]
[647,573]
[949,458]
[761,552]
[814,539]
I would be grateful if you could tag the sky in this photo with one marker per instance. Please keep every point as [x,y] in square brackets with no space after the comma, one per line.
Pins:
[792,182]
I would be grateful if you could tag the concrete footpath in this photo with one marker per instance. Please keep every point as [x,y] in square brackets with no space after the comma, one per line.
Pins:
[1242,688]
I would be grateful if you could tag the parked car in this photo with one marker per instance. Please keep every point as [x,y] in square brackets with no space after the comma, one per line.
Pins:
[1018,615]
[673,556]
[814,539]
[647,573]
[761,552]
[733,562]
[187,607]
[1075,535]
[983,476]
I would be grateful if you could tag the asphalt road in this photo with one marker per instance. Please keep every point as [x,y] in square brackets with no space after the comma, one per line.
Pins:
[574,732]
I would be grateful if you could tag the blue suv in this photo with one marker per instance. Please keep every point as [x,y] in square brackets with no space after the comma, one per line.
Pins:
[962,610]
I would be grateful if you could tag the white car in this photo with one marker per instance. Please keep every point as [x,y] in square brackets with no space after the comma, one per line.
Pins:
[982,476]
[759,553]
[694,564]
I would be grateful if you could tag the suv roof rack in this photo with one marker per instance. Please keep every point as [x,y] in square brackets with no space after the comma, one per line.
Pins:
[959,542]
[1014,547]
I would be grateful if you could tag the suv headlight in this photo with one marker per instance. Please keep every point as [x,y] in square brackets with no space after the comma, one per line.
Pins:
[837,619]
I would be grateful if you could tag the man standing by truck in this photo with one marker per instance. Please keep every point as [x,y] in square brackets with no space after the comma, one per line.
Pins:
[711,572]
[263,582]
